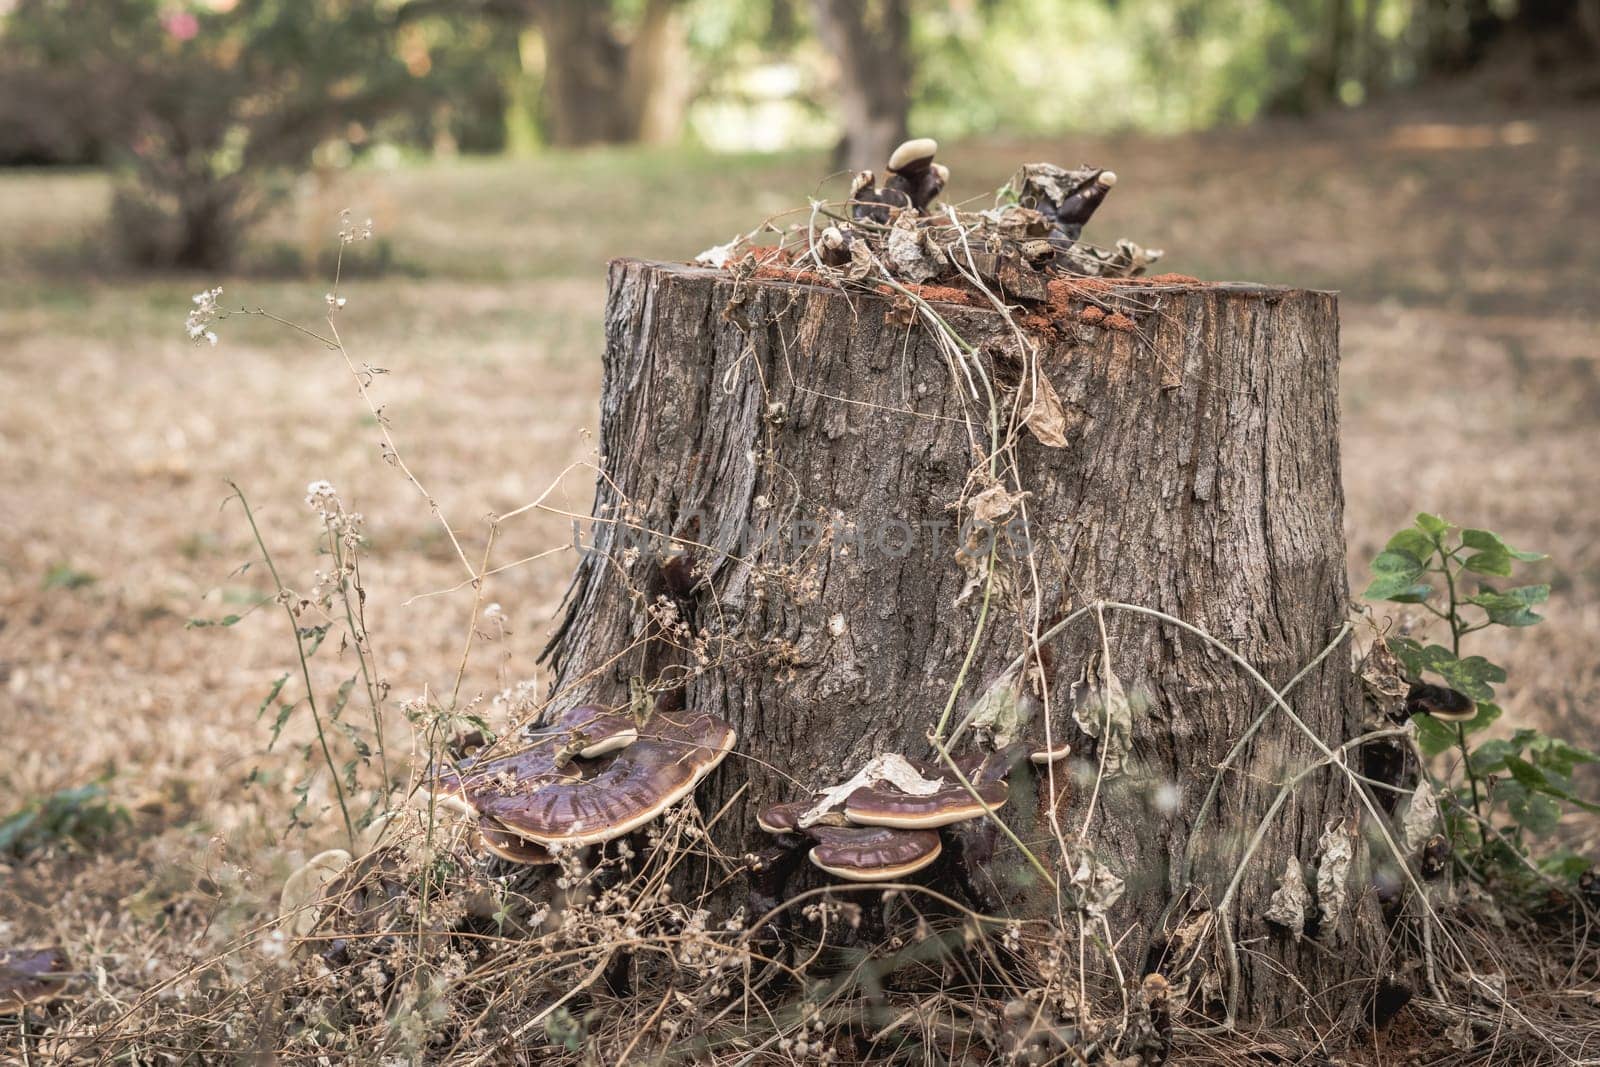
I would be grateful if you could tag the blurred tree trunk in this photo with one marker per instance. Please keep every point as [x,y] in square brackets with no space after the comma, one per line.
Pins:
[870,41]
[798,436]
[1462,34]
[600,88]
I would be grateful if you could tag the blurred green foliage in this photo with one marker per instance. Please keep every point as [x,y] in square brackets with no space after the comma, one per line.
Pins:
[208,106]
[82,815]
[1512,791]
[199,104]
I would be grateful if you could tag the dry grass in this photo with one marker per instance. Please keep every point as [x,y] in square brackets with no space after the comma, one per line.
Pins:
[1467,254]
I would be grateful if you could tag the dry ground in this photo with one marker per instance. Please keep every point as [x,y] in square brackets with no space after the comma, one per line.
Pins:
[1466,248]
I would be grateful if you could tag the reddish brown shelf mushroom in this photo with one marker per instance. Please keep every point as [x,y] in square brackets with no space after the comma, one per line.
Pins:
[586,732]
[589,731]
[881,804]
[782,818]
[1440,701]
[872,853]
[30,977]
[675,751]
[510,847]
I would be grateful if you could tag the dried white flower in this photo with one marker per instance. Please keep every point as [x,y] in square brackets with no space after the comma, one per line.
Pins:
[205,310]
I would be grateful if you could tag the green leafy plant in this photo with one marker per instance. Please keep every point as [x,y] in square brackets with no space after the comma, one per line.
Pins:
[1511,789]
[83,815]
[66,576]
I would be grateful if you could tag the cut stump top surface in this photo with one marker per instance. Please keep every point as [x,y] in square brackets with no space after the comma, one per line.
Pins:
[798,277]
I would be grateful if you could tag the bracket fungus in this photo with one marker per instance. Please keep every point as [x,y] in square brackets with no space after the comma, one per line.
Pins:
[1440,701]
[589,731]
[592,776]
[883,822]
[511,847]
[881,804]
[642,782]
[872,853]
[30,977]
[915,181]
[782,818]
[1043,757]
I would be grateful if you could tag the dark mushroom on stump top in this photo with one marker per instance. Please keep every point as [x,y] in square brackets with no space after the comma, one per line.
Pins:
[872,204]
[914,173]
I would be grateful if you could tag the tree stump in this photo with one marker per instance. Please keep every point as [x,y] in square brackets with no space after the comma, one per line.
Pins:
[819,452]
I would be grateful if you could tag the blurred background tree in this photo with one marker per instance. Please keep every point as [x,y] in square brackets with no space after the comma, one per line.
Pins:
[204,105]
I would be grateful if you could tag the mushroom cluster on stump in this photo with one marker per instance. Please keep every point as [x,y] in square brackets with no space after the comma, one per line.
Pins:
[592,776]
[880,830]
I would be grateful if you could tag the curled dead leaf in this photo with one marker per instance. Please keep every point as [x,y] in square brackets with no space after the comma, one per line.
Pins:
[1290,904]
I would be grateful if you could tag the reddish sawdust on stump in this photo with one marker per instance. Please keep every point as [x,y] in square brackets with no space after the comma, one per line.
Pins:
[775,265]
[933,294]
[790,274]
[771,254]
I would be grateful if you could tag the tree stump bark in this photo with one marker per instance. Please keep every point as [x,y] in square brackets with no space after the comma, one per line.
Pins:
[1197,474]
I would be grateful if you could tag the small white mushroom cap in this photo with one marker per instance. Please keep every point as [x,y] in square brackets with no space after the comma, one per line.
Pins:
[915,150]
[298,909]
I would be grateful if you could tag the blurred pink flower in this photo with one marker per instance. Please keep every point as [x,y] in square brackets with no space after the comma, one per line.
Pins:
[181,25]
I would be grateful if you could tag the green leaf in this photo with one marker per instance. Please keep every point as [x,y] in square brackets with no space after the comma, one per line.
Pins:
[1490,757]
[1412,542]
[312,638]
[200,624]
[272,694]
[1394,573]
[1535,780]
[1471,675]
[1487,714]
[1432,525]
[1512,607]
[1410,654]
[341,698]
[1554,754]
[284,711]
[1564,864]
[1431,657]
[1488,541]
[1433,736]
[1492,562]
[1536,813]
[1526,773]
